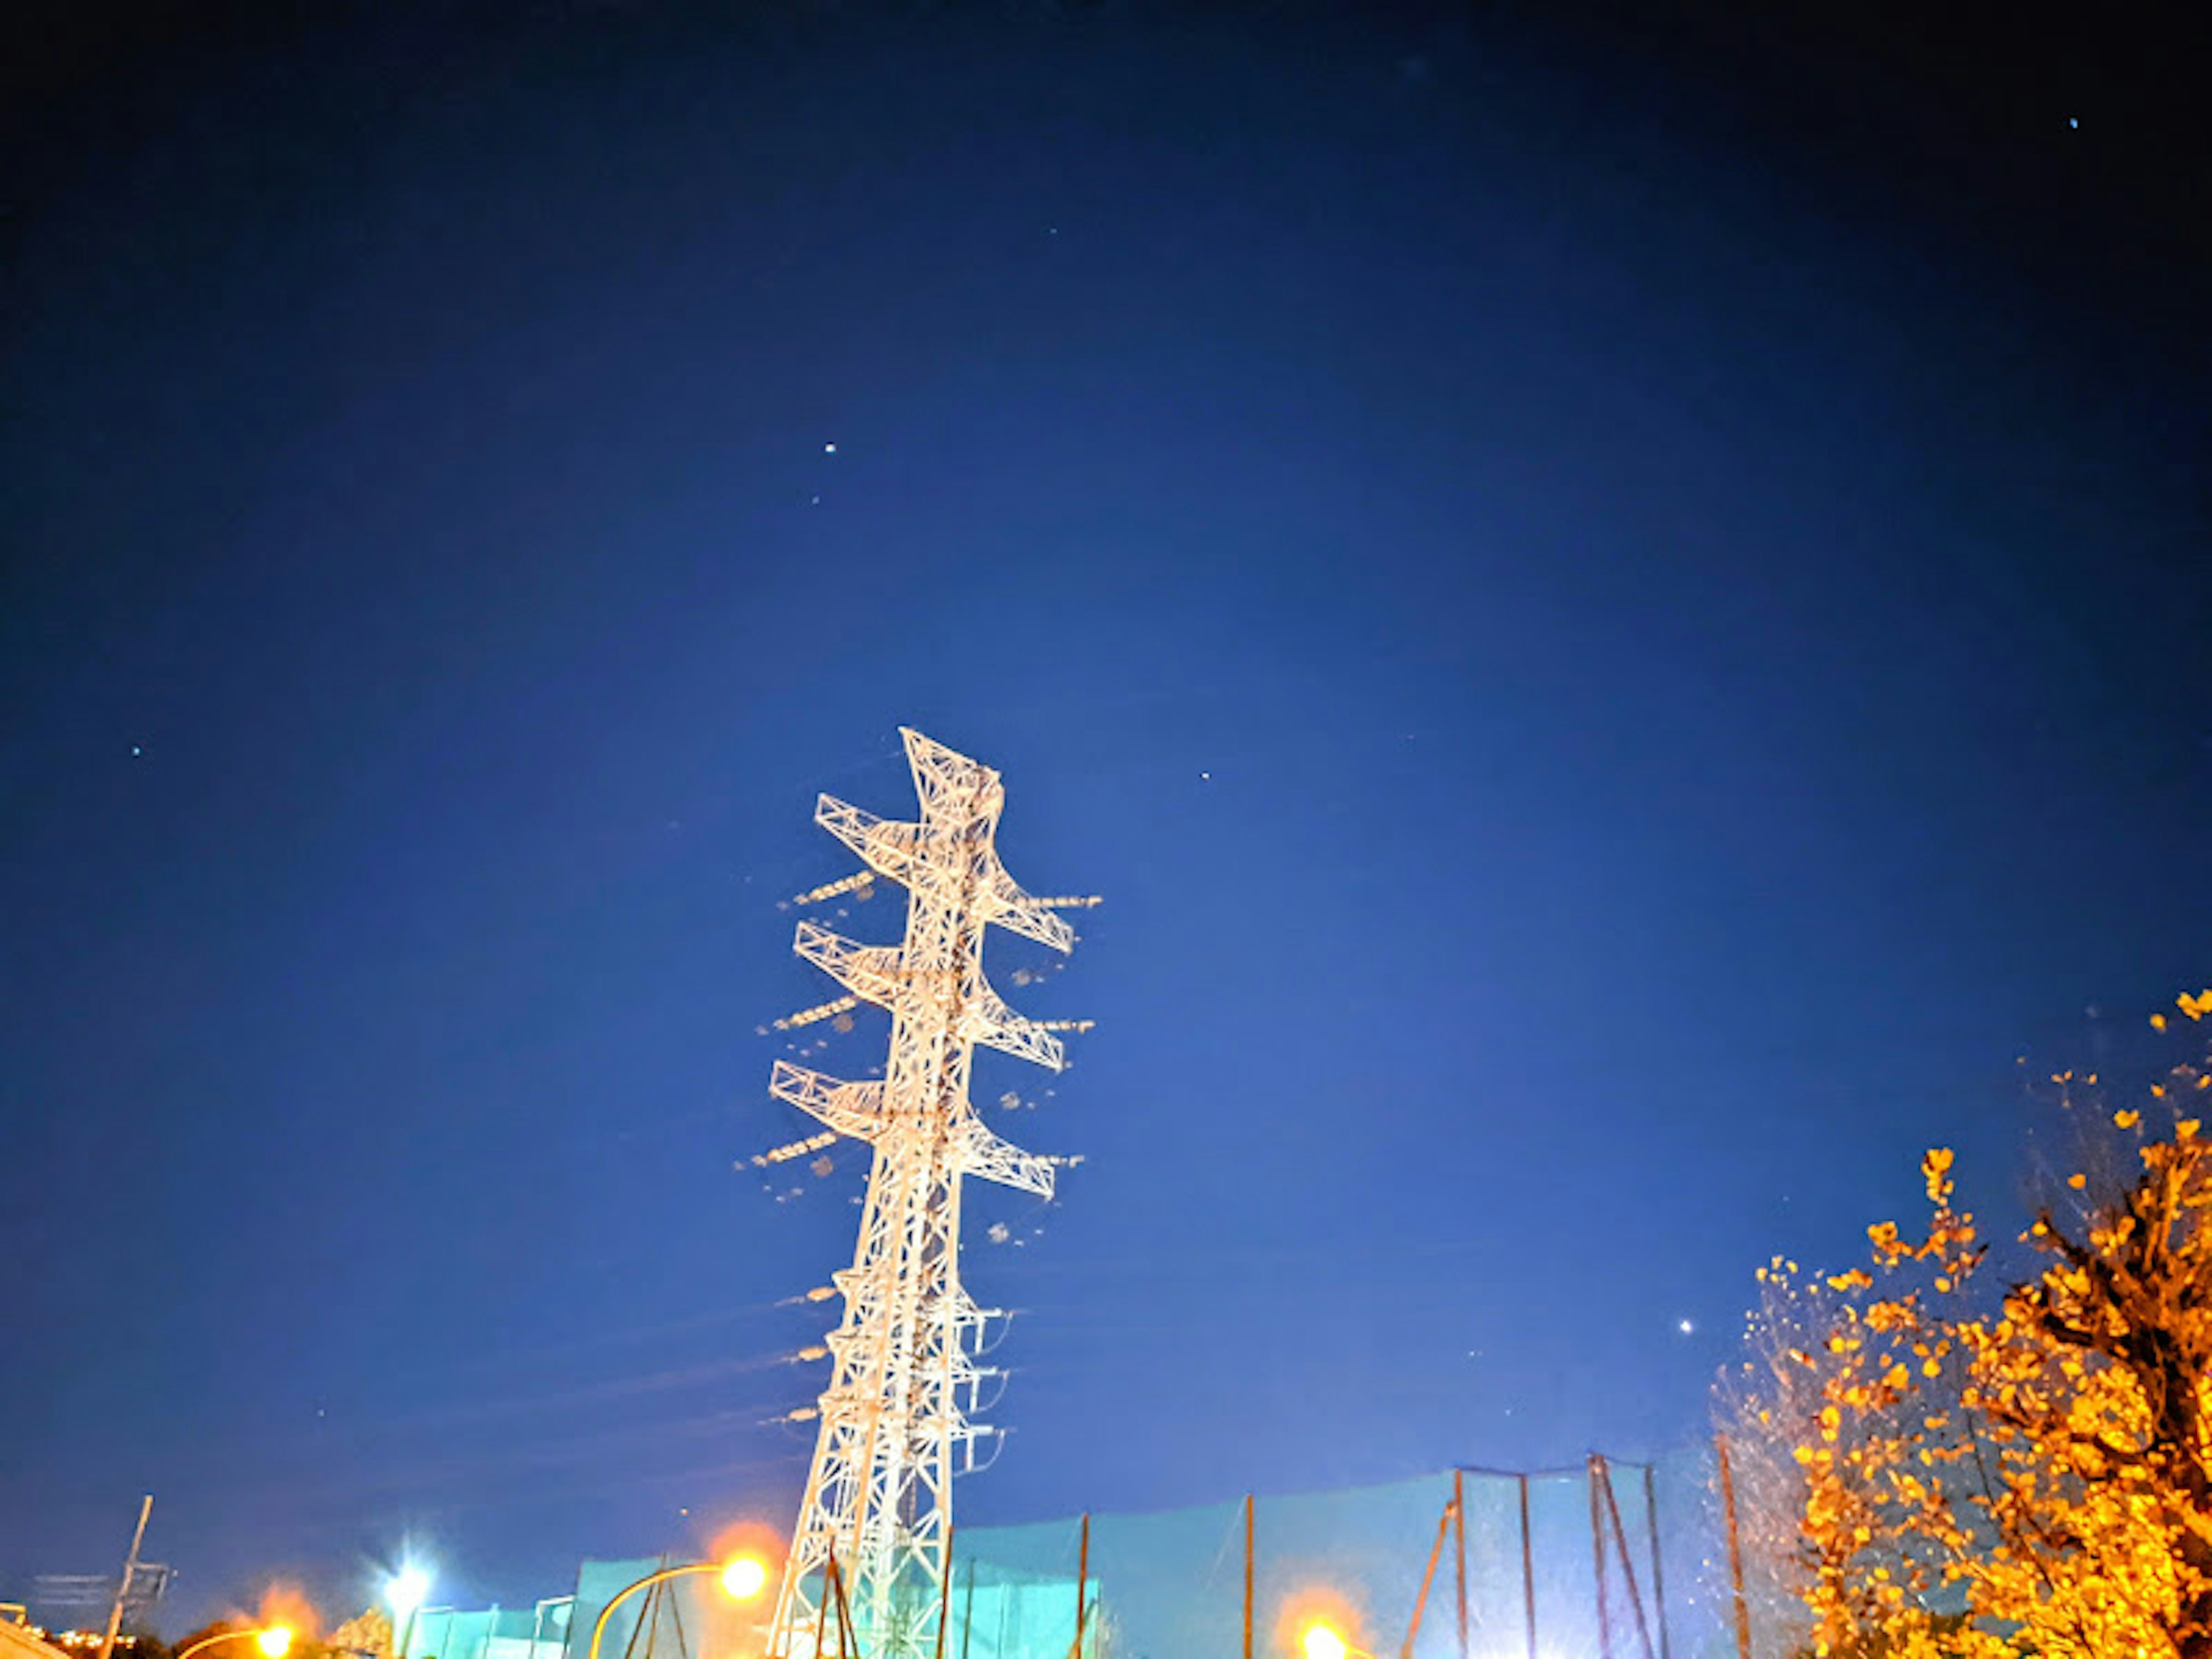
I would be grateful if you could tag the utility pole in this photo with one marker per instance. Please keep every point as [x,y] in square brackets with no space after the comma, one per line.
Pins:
[129,1571]
[877,1516]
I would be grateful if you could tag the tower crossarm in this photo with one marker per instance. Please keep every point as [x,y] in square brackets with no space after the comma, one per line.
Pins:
[874,972]
[851,1108]
[971,1315]
[988,1020]
[1004,902]
[890,847]
[985,1155]
[895,849]
[958,1364]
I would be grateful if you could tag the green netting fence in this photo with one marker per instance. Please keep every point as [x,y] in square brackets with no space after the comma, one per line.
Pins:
[535,1632]
[1612,1560]
[1615,1560]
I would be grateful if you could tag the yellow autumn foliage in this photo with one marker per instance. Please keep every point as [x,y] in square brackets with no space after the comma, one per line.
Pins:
[1953,1473]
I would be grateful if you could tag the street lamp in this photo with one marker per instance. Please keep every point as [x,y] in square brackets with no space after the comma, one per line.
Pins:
[743,1577]
[1323,1640]
[274,1641]
[405,1591]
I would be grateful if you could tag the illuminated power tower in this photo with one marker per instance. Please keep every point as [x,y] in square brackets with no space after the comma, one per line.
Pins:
[895,1427]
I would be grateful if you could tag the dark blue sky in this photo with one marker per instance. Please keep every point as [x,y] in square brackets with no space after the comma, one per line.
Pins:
[1619,617]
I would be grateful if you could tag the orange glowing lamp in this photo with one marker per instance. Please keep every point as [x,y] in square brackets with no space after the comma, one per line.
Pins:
[1323,1640]
[274,1641]
[744,1576]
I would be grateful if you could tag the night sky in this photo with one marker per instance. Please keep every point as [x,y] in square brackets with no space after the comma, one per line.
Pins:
[1618,612]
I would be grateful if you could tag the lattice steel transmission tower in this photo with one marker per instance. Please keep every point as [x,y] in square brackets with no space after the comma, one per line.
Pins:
[894,1426]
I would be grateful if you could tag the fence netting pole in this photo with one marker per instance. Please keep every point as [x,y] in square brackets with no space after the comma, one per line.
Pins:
[1082,1583]
[1658,1559]
[1428,1577]
[1735,1550]
[1627,1565]
[1527,1569]
[945,1592]
[1597,1558]
[1459,1529]
[1248,1576]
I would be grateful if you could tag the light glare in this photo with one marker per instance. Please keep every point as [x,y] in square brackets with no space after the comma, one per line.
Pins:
[275,1641]
[744,1577]
[1321,1642]
[407,1590]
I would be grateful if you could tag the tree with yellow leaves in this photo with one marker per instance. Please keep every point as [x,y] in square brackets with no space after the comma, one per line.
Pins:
[368,1632]
[1766,1408]
[1991,1477]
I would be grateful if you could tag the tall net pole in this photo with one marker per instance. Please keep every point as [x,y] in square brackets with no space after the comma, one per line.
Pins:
[878,1511]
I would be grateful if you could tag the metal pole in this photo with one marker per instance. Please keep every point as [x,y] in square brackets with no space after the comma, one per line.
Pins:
[538,1624]
[1627,1567]
[944,1593]
[1428,1577]
[848,1642]
[1248,1576]
[1658,1560]
[1527,1569]
[967,1612]
[1736,1551]
[1082,1583]
[1597,1558]
[1459,1521]
[129,1571]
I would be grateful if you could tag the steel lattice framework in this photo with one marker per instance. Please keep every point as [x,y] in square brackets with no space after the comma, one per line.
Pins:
[893,1428]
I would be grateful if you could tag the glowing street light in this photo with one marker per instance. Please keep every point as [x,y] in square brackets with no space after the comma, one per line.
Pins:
[1323,1640]
[274,1641]
[743,1577]
[407,1590]
[404,1593]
